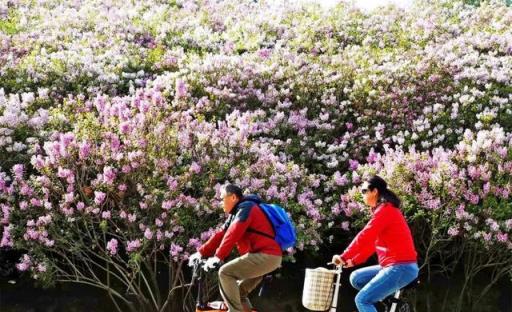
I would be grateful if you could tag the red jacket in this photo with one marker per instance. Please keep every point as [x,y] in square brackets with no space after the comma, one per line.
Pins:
[245,217]
[388,234]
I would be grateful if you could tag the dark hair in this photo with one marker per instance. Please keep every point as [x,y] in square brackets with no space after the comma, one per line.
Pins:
[385,194]
[233,189]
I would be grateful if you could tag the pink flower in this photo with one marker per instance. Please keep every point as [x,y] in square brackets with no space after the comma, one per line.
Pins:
[132,217]
[80,206]
[41,267]
[148,234]
[69,197]
[99,197]
[84,150]
[195,168]
[126,169]
[133,245]
[112,246]
[36,202]
[264,53]
[106,215]
[6,237]
[502,237]
[172,184]
[109,175]
[24,264]
[453,231]
[166,205]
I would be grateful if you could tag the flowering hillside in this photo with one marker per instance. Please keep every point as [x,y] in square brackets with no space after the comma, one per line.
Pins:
[120,121]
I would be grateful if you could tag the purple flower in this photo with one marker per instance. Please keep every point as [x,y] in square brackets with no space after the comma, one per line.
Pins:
[125,127]
[194,243]
[353,165]
[6,212]
[264,53]
[175,250]
[181,88]
[18,170]
[339,179]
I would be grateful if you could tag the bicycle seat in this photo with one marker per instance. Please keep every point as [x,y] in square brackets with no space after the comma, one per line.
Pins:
[412,284]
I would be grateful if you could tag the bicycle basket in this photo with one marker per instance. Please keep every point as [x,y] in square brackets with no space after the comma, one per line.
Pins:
[318,289]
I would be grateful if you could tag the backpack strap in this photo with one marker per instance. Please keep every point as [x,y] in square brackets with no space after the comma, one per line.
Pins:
[260,233]
[268,219]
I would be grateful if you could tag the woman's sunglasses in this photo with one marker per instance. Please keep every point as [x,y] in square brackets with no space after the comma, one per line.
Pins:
[364,190]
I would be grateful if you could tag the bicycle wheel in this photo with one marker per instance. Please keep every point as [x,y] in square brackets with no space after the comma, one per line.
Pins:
[404,307]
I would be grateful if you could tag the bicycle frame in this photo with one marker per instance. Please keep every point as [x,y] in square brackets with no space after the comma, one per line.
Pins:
[202,304]
[334,304]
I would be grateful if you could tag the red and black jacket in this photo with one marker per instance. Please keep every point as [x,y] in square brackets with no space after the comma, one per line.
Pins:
[244,227]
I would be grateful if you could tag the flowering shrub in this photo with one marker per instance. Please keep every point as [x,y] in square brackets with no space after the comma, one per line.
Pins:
[127,187]
[458,201]
[120,121]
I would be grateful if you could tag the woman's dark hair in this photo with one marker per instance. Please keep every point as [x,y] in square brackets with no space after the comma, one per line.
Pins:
[385,194]
[233,189]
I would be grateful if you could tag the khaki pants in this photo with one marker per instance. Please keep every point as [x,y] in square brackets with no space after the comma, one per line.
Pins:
[240,276]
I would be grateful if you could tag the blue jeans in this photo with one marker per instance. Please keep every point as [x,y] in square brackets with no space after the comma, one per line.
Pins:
[376,283]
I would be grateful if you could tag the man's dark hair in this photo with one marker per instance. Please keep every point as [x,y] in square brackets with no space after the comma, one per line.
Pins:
[233,189]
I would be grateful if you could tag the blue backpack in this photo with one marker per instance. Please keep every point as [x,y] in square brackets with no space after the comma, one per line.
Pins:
[283,226]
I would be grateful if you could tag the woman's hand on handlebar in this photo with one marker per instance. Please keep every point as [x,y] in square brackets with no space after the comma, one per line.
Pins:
[337,260]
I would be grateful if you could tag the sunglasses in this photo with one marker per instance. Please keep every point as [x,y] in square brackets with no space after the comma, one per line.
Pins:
[364,190]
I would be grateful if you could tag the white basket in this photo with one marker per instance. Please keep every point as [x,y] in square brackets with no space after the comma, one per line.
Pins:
[318,289]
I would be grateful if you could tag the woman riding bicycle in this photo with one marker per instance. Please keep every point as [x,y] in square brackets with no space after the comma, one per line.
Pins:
[387,234]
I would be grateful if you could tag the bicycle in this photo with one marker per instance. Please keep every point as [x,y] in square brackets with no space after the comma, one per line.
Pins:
[393,303]
[202,303]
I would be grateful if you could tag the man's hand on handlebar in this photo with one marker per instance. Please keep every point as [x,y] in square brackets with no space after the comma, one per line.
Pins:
[336,259]
[212,263]
[194,258]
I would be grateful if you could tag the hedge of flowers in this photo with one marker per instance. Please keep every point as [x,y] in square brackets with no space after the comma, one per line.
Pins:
[122,120]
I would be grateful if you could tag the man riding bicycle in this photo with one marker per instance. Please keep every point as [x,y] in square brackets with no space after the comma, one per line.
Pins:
[248,227]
